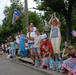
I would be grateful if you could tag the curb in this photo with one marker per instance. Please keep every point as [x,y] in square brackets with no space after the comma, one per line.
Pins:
[48,72]
[27,60]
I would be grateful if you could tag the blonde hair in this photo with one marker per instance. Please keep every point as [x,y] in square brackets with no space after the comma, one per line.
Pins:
[54,19]
[70,48]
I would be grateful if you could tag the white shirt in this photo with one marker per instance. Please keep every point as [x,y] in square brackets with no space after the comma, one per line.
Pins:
[44,36]
[37,40]
[32,34]
[2,45]
[8,48]
[26,46]
[17,39]
[5,45]
[34,29]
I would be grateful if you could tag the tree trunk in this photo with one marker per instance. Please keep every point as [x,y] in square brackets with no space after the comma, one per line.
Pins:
[68,28]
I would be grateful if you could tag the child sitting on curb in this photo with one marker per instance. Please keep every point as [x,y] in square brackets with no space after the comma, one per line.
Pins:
[46,57]
[69,65]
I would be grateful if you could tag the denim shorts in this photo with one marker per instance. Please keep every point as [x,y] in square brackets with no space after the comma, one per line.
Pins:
[36,50]
[14,52]
[30,45]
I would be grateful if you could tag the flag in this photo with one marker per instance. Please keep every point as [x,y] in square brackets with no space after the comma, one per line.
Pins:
[16,15]
[74,33]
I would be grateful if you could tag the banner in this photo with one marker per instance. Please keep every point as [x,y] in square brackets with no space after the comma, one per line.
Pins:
[16,15]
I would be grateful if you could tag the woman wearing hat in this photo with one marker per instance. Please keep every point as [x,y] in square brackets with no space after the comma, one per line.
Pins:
[55,35]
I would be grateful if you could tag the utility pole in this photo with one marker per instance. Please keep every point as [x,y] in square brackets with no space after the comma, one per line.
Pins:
[26,13]
[39,2]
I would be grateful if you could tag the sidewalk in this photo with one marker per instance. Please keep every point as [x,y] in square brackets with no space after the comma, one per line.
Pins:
[28,60]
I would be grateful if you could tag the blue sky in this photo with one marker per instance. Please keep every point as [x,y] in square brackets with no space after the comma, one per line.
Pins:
[3,3]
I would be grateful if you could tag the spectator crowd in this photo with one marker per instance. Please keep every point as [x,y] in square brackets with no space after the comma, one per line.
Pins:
[37,45]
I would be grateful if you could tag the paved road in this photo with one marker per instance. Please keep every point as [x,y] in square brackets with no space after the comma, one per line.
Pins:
[9,67]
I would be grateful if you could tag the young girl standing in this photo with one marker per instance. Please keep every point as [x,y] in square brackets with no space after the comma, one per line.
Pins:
[13,48]
[37,52]
[55,35]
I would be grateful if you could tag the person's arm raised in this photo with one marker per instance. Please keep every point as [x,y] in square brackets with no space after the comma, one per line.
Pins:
[64,55]
[50,21]
[59,24]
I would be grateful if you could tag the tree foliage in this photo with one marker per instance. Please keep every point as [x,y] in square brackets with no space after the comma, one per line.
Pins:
[64,8]
[8,29]
[36,19]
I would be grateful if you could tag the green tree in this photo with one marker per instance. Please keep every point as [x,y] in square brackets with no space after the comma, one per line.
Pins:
[36,19]
[8,29]
[7,22]
[64,7]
